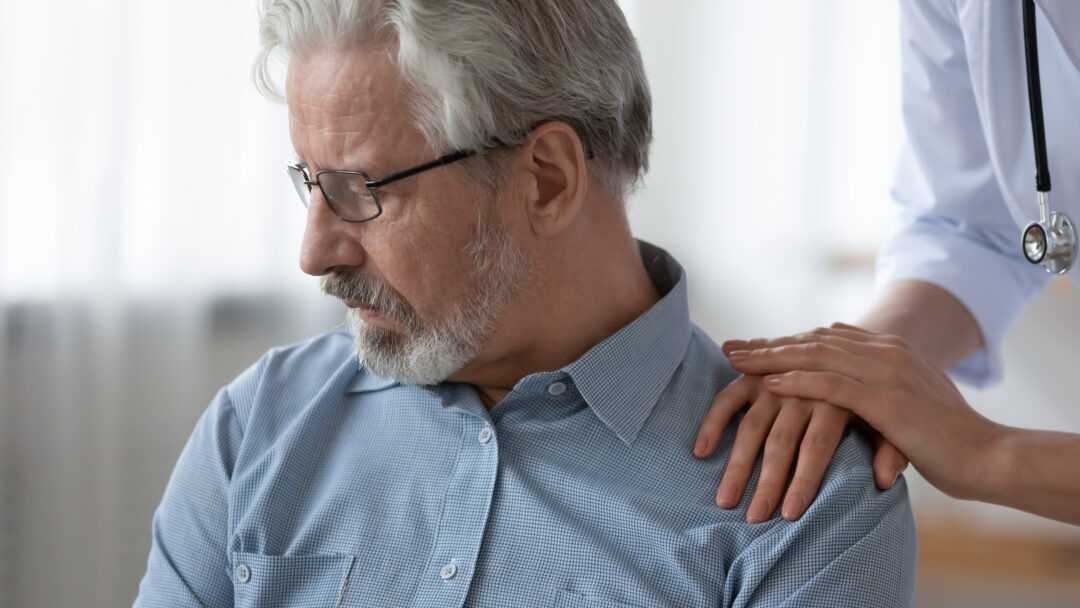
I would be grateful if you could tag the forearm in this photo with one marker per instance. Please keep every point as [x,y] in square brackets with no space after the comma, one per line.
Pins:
[1034,471]
[936,325]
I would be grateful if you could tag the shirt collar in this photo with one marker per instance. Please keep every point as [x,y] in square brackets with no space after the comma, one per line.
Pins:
[367,382]
[622,378]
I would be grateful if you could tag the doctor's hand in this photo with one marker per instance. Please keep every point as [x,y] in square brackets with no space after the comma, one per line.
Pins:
[878,377]
[809,428]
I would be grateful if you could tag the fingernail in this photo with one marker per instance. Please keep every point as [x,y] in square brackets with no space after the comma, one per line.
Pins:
[725,498]
[739,355]
[699,447]
[772,381]
[793,507]
[759,511]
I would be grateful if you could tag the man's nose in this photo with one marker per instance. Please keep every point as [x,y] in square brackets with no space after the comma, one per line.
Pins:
[329,243]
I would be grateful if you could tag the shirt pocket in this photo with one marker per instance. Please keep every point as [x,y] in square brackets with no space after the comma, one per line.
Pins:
[575,599]
[290,580]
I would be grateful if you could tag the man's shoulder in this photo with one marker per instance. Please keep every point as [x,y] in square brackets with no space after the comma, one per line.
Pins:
[849,480]
[286,374]
[703,353]
[852,531]
[848,490]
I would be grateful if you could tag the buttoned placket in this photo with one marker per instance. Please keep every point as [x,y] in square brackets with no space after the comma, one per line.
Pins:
[469,491]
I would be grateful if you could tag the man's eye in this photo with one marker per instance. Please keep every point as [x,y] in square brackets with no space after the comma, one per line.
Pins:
[359,189]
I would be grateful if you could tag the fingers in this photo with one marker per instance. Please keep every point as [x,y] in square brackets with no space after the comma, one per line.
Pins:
[876,410]
[829,353]
[838,330]
[889,462]
[724,405]
[841,325]
[831,387]
[823,435]
[787,430]
[748,439]
[842,348]
[797,403]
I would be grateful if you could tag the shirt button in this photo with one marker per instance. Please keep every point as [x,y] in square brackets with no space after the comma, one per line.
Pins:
[243,573]
[485,435]
[557,388]
[448,571]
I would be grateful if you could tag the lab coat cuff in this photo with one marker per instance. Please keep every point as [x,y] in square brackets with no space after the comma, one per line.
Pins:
[991,285]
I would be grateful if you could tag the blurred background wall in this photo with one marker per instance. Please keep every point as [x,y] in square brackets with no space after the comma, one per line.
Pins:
[148,245]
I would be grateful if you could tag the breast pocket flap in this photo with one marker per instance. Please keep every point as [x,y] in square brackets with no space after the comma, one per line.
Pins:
[290,580]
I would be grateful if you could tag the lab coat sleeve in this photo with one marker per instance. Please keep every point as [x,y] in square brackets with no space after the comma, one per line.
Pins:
[956,230]
[189,561]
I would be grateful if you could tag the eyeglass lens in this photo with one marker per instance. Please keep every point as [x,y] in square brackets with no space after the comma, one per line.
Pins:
[346,193]
[298,177]
[349,195]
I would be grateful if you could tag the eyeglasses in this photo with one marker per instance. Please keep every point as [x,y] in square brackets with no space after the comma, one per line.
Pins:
[352,195]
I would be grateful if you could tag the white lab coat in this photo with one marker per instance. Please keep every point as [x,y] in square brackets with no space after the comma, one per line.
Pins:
[966,176]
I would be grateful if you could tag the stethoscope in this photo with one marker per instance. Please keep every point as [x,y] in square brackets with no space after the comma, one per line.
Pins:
[1051,241]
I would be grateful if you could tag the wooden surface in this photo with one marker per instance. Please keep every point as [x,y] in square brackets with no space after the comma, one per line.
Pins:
[952,550]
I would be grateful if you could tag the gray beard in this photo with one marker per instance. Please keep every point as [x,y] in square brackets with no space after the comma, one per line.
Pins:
[428,353]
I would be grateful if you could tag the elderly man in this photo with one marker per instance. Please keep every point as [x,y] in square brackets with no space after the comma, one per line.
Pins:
[518,430]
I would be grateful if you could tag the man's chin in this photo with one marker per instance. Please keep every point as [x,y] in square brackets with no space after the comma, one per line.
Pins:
[406,370]
[390,354]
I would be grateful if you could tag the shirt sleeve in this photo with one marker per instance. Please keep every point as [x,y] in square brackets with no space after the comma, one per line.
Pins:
[855,546]
[956,230]
[189,562]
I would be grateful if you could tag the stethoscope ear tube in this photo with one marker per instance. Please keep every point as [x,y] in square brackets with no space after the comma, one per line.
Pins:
[1051,241]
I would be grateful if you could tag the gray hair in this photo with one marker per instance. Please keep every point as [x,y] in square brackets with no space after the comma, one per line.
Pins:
[492,69]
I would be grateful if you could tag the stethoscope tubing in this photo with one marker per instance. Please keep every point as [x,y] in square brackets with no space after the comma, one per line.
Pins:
[1051,241]
[1038,131]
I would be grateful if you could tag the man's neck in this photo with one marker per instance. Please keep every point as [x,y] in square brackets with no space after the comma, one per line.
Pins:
[600,289]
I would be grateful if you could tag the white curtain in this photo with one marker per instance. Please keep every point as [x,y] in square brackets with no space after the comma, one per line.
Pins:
[148,238]
[148,235]
[139,158]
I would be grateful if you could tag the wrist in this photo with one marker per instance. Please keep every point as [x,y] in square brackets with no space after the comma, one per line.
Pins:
[935,324]
[997,471]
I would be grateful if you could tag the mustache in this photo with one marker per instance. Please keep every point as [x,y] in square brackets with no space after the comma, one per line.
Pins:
[371,293]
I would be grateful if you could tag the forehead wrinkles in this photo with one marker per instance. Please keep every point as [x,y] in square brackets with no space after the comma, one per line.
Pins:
[347,109]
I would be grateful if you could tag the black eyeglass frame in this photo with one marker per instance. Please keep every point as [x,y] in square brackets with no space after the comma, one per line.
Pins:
[300,171]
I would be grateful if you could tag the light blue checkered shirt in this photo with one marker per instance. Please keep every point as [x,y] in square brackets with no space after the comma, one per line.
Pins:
[309,482]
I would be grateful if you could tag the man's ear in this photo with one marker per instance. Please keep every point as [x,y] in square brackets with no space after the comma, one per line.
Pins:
[555,160]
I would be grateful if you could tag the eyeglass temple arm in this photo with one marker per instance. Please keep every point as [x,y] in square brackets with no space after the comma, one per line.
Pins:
[445,160]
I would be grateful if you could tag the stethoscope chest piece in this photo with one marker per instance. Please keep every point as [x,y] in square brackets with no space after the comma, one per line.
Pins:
[1051,243]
